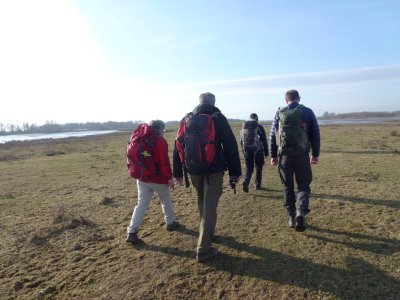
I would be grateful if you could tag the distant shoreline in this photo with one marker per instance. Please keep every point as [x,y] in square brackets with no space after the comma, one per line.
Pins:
[23,137]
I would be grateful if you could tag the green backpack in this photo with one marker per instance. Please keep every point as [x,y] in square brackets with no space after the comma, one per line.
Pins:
[293,139]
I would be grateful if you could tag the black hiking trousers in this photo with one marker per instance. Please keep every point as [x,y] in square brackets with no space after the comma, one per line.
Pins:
[299,168]
[253,157]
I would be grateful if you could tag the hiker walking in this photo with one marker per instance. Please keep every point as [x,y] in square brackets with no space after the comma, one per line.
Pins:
[148,162]
[255,147]
[205,147]
[298,130]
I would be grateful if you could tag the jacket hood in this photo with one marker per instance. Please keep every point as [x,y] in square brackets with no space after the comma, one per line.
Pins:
[205,109]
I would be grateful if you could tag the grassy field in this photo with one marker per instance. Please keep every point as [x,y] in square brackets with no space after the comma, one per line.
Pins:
[65,206]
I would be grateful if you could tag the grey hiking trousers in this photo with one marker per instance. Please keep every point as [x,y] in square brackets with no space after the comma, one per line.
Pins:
[145,194]
[208,194]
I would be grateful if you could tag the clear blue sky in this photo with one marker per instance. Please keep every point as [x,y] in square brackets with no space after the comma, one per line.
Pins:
[76,61]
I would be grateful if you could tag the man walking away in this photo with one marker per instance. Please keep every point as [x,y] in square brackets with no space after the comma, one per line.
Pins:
[255,147]
[298,129]
[148,162]
[205,147]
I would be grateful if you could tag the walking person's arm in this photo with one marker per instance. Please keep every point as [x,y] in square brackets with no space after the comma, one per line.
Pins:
[272,140]
[314,138]
[263,138]
[177,167]
[229,145]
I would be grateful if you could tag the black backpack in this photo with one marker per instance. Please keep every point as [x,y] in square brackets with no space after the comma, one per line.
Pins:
[250,135]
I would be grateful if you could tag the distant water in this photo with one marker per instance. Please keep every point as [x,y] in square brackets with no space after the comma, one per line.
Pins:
[58,135]
[358,121]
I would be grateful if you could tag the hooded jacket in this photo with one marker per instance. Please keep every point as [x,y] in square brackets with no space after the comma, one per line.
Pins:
[227,153]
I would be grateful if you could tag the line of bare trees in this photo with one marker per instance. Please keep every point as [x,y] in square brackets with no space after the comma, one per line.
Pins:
[52,127]
[360,115]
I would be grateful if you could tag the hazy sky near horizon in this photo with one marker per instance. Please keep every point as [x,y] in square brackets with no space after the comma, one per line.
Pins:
[90,60]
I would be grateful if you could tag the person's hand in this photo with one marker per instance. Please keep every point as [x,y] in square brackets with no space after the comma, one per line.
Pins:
[178,181]
[234,179]
[274,161]
[314,160]
[171,184]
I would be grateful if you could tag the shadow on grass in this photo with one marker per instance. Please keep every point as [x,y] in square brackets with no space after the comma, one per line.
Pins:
[388,203]
[378,245]
[360,280]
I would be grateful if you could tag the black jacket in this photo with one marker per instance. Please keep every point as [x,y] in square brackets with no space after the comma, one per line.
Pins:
[227,153]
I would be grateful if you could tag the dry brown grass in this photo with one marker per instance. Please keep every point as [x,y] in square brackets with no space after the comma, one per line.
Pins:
[63,220]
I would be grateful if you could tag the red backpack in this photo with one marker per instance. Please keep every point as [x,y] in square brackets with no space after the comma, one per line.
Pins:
[195,142]
[139,152]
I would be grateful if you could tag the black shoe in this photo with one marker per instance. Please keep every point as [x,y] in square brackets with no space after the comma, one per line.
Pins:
[215,239]
[300,222]
[258,187]
[133,239]
[292,222]
[174,225]
[212,252]
[245,187]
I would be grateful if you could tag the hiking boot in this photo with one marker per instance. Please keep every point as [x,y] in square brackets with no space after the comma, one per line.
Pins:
[300,221]
[292,222]
[215,239]
[212,252]
[245,187]
[133,239]
[174,225]
[258,187]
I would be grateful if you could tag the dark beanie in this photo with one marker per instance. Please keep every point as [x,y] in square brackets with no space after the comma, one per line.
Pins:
[254,116]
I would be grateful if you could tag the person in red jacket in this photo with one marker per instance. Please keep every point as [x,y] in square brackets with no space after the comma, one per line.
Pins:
[159,182]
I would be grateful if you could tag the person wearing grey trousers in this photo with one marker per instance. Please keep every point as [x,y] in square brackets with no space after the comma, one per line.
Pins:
[208,184]
[159,182]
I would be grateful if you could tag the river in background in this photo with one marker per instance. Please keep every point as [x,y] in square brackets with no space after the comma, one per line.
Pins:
[57,135]
[61,135]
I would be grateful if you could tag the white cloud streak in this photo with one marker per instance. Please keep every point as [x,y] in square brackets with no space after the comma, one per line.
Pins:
[312,79]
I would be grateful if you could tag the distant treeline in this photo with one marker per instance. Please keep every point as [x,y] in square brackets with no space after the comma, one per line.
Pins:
[53,127]
[359,115]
